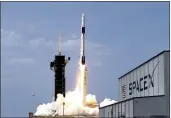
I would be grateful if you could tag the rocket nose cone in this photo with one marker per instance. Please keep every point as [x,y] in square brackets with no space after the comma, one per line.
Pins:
[83,20]
[82,14]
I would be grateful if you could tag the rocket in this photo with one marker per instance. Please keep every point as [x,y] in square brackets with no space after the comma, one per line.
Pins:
[84,92]
[83,38]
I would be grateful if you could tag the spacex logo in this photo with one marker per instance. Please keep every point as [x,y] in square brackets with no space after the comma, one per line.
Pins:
[141,84]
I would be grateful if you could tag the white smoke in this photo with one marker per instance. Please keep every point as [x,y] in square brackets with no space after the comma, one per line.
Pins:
[73,103]
[106,102]
[72,106]
[76,102]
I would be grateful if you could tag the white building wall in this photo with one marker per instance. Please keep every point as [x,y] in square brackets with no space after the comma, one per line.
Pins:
[131,108]
[124,108]
[116,109]
[106,111]
[102,112]
[127,109]
[149,106]
[146,80]
[110,111]
[155,82]
[167,81]
[146,71]
[120,109]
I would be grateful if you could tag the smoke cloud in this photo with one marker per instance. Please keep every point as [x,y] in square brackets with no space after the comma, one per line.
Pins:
[76,102]
[73,106]
[107,102]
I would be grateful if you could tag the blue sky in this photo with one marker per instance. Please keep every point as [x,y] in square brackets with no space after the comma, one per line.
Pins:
[119,37]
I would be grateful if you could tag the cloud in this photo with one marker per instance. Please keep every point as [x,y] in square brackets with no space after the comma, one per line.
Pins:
[66,45]
[94,50]
[41,42]
[12,40]
[72,44]
[21,61]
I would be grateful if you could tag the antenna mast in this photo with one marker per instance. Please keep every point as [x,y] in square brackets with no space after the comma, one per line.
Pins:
[59,43]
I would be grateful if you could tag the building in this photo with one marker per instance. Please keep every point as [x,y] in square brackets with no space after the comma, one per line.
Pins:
[143,91]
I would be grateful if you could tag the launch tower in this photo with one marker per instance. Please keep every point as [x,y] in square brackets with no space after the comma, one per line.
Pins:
[58,66]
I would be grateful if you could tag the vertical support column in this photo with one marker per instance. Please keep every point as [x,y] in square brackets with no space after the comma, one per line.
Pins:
[30,115]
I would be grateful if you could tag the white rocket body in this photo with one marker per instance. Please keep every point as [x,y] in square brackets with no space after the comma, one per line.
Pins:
[83,58]
[83,38]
